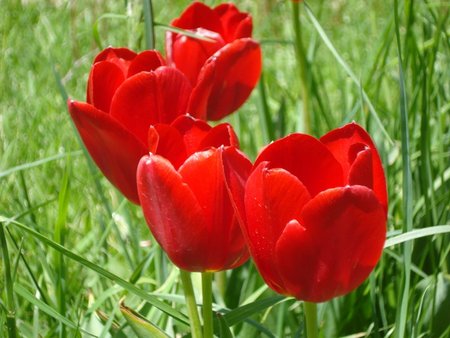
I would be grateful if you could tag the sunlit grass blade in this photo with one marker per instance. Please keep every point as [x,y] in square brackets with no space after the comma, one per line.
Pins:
[347,69]
[123,283]
[21,291]
[149,25]
[419,233]
[141,326]
[407,190]
[238,315]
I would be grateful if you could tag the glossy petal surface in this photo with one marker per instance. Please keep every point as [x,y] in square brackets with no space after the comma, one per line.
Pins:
[236,25]
[306,158]
[104,79]
[148,98]
[273,197]
[333,246]
[203,173]
[233,72]
[172,212]
[113,148]
[342,142]
[145,62]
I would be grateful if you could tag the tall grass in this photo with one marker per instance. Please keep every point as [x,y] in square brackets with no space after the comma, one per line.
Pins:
[73,250]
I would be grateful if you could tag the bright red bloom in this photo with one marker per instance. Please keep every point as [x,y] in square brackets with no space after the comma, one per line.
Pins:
[182,191]
[314,212]
[226,65]
[127,92]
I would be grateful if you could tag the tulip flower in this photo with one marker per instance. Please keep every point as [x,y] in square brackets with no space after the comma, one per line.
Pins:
[224,56]
[314,212]
[127,92]
[182,192]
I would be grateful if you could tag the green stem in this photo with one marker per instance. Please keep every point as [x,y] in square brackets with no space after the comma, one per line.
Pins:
[310,310]
[11,315]
[302,65]
[221,282]
[149,25]
[194,320]
[207,304]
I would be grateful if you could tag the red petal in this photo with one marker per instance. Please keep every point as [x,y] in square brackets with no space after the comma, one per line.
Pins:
[306,158]
[121,57]
[198,15]
[221,135]
[172,213]
[203,172]
[145,62]
[341,143]
[192,130]
[104,79]
[273,197]
[237,169]
[334,246]
[190,54]
[167,141]
[115,150]
[149,98]
[236,25]
[111,53]
[233,72]
[361,171]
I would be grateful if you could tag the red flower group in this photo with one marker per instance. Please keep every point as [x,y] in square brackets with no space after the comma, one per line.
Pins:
[312,212]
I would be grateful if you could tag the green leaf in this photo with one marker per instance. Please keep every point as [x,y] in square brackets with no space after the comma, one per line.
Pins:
[21,291]
[241,313]
[141,326]
[109,275]
[224,329]
[414,234]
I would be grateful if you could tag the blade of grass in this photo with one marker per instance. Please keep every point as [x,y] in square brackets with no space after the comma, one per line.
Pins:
[347,69]
[407,190]
[149,25]
[10,305]
[419,233]
[109,275]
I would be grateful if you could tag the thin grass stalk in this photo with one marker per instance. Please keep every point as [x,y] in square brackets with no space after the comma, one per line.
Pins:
[407,188]
[11,314]
[194,319]
[302,66]
[149,25]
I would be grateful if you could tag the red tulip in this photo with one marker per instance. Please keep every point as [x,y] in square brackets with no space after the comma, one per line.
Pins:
[182,191]
[225,65]
[127,92]
[314,212]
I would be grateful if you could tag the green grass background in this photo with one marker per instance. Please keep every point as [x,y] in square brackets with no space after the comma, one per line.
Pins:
[391,76]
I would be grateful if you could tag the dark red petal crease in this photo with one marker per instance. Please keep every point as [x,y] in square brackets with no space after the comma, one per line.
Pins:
[114,149]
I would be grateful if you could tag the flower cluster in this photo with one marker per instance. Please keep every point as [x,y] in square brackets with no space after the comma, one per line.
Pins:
[311,212]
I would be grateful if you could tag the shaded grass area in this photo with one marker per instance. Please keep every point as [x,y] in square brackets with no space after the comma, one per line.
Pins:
[94,247]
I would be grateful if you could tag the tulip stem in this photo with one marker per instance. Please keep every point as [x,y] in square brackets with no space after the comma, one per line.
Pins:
[194,319]
[207,304]
[310,310]
[302,65]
